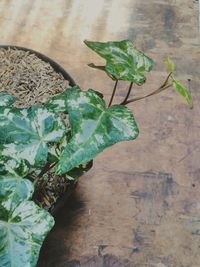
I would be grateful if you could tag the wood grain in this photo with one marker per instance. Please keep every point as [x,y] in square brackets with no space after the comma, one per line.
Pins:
[139,205]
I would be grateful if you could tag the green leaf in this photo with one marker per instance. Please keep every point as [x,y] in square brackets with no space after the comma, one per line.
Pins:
[22,228]
[123,60]
[58,102]
[6,99]
[170,64]
[182,90]
[25,133]
[13,166]
[94,127]
[54,154]
[14,190]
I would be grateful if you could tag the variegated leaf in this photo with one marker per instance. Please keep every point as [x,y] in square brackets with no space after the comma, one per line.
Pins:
[54,155]
[25,133]
[94,127]
[58,102]
[14,166]
[6,99]
[22,227]
[123,60]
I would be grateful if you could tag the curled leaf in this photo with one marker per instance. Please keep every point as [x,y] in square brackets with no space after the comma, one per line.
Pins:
[183,90]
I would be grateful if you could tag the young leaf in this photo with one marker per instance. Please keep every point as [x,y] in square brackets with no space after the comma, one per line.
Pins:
[123,60]
[23,228]
[170,64]
[25,133]
[6,99]
[94,127]
[182,90]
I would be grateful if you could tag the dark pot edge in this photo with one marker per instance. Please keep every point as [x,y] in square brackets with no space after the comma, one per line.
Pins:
[58,68]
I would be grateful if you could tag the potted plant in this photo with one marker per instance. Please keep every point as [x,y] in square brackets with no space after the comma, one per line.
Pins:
[58,139]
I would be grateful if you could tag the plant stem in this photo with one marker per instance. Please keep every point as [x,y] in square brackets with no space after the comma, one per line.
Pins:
[128,94]
[113,93]
[163,87]
[47,168]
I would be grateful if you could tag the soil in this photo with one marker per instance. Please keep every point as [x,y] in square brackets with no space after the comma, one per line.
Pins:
[27,77]
[33,81]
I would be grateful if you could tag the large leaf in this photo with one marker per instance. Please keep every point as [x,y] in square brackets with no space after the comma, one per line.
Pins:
[123,60]
[6,99]
[15,190]
[54,154]
[25,133]
[17,167]
[94,127]
[58,102]
[22,228]
[182,90]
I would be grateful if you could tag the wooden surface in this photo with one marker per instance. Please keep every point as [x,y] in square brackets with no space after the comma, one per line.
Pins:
[140,204]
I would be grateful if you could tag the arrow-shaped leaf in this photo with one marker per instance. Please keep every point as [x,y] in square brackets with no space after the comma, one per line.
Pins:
[94,127]
[123,60]
[182,90]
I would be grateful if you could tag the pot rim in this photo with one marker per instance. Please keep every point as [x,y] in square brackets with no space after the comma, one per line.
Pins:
[57,67]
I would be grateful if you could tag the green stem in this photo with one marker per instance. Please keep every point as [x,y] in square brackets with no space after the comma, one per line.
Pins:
[128,94]
[113,93]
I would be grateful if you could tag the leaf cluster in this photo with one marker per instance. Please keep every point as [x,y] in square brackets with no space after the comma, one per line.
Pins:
[64,134]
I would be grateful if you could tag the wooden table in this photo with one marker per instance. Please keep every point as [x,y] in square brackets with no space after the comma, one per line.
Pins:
[140,204]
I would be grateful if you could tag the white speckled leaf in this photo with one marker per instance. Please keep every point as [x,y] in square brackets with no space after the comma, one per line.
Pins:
[17,167]
[6,99]
[23,225]
[58,102]
[94,127]
[15,190]
[25,133]
[123,60]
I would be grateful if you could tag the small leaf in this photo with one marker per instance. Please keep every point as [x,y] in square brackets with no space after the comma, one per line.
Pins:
[25,133]
[182,90]
[170,64]
[22,228]
[94,127]
[6,99]
[123,60]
